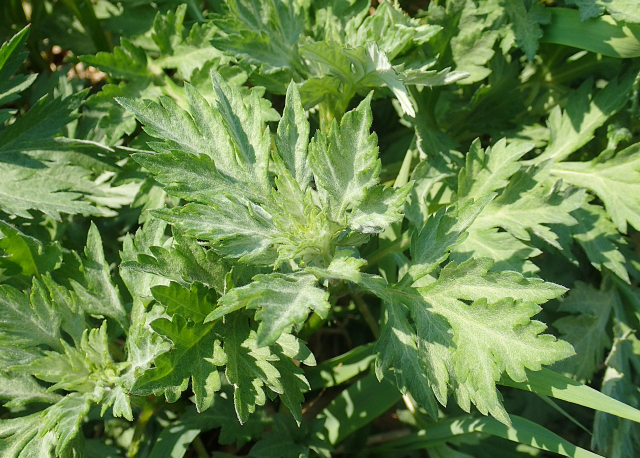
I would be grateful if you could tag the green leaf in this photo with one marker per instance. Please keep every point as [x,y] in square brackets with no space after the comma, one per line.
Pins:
[472,280]
[389,26]
[193,304]
[248,367]
[20,389]
[616,182]
[292,138]
[68,307]
[176,437]
[184,262]
[620,10]
[519,211]
[12,54]
[34,175]
[43,120]
[195,356]
[442,231]
[263,33]
[96,292]
[81,368]
[21,438]
[526,24]
[282,300]
[338,370]
[600,239]
[288,440]
[616,436]
[492,335]
[47,190]
[295,348]
[354,70]
[343,266]
[127,61]
[25,255]
[245,130]
[294,384]
[575,126]
[624,10]
[381,207]
[28,320]
[398,346]
[508,252]
[143,344]
[373,398]
[229,133]
[117,399]
[139,281]
[53,433]
[65,419]
[345,161]
[521,430]
[586,328]
[247,219]
[530,203]
[550,383]
[143,66]
[470,37]
[488,170]
[237,228]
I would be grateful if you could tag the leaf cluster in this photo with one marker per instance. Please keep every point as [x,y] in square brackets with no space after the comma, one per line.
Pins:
[283,228]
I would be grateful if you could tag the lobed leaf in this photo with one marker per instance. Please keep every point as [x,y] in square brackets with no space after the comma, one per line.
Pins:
[615,182]
[282,300]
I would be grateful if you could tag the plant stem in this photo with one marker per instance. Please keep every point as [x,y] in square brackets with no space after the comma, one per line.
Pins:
[400,244]
[368,316]
[194,9]
[311,326]
[199,447]
[411,405]
[148,411]
[83,9]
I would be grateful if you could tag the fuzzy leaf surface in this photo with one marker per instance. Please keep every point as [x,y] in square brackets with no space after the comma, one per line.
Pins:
[492,335]
[282,301]
[441,232]
[470,327]
[345,162]
[575,127]
[616,182]
[193,357]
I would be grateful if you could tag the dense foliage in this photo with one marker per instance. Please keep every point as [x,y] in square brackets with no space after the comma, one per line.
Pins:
[285,228]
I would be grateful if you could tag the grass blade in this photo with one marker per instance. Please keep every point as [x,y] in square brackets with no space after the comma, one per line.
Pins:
[522,431]
[361,403]
[601,35]
[552,384]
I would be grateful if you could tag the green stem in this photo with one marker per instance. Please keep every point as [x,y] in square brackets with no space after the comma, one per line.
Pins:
[368,316]
[398,245]
[405,168]
[312,324]
[194,10]
[412,407]
[148,411]
[199,447]
[83,9]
